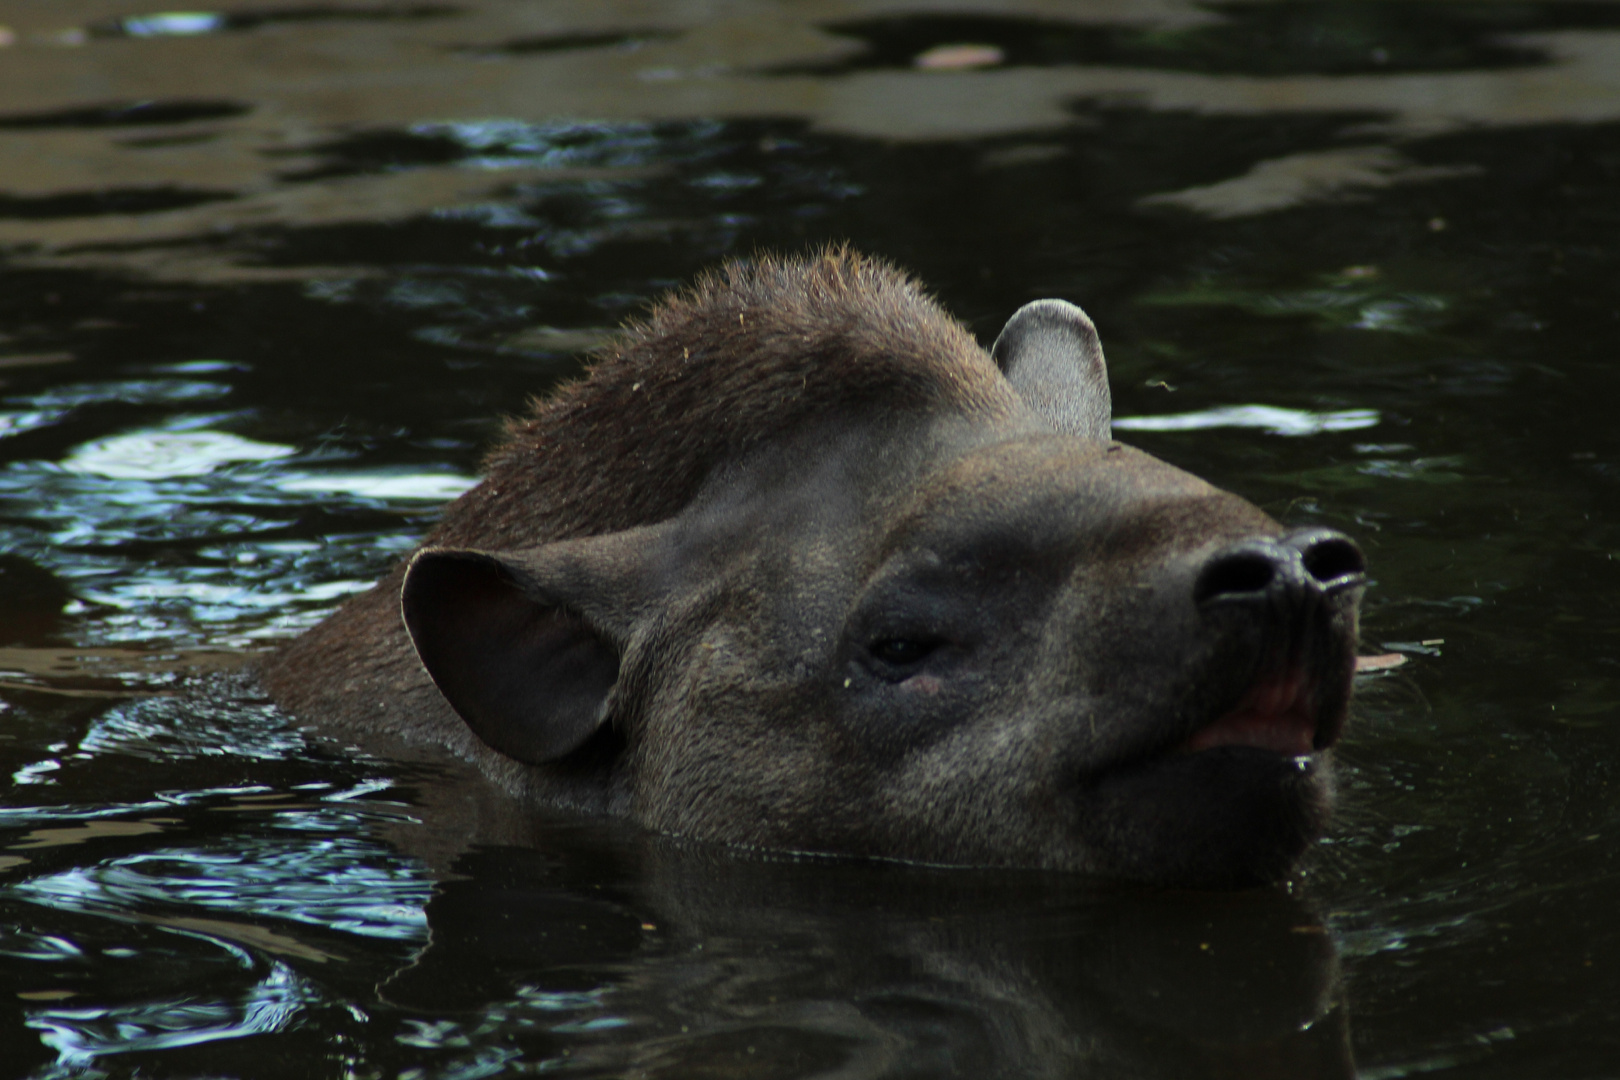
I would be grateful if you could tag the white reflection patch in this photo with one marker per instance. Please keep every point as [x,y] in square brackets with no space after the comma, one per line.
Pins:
[173,24]
[1267,418]
[152,455]
[424,487]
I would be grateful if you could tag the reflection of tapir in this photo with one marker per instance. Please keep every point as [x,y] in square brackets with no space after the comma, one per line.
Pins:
[800,566]
[867,970]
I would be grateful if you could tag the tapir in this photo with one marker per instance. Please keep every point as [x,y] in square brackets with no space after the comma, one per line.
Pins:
[798,565]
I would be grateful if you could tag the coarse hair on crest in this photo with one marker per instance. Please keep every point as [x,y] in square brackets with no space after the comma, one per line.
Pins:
[754,348]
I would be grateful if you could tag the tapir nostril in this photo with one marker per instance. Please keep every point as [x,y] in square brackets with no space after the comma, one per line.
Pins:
[1333,559]
[1234,574]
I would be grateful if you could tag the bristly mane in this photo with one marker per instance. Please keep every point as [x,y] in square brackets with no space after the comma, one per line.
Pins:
[751,350]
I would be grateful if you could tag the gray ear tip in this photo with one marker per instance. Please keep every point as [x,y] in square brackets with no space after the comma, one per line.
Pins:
[1050,353]
[1051,319]
[1052,310]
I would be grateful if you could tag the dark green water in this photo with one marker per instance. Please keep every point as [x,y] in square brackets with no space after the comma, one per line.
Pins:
[269,278]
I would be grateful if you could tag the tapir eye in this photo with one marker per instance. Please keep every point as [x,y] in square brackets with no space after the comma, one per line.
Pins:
[902,652]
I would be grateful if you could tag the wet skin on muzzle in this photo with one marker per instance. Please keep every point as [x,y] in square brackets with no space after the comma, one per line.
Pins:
[800,566]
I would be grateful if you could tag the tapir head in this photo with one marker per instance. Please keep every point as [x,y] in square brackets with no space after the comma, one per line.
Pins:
[920,635]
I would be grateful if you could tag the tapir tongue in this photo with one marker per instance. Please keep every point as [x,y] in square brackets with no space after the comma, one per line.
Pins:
[1275,715]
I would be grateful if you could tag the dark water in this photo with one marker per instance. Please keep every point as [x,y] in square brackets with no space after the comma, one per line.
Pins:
[271,275]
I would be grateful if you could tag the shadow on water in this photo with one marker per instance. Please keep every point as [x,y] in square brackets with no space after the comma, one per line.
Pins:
[106,201]
[125,114]
[274,273]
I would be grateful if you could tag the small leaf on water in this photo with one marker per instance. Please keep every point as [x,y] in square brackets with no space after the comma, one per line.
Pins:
[958,57]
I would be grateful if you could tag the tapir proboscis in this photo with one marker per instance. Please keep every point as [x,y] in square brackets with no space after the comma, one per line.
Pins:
[798,565]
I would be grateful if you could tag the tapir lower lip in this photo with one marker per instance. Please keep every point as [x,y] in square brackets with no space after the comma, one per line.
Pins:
[1279,713]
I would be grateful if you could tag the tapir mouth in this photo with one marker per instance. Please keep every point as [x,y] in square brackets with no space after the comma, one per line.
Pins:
[1281,712]
[1236,801]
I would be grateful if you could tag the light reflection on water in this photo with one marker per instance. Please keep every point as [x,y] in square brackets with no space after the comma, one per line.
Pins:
[132,392]
[227,498]
[81,1036]
[502,143]
[210,935]
[172,23]
[166,455]
[1267,418]
[326,883]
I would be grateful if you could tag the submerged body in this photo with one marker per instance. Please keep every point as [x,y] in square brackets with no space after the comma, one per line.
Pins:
[799,565]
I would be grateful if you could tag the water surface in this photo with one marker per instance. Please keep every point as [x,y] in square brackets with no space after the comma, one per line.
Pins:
[272,275]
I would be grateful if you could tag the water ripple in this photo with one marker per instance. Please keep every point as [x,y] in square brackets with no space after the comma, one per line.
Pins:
[82,1035]
[341,883]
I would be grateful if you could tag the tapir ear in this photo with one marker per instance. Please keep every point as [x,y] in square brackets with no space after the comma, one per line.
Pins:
[527,671]
[1050,353]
